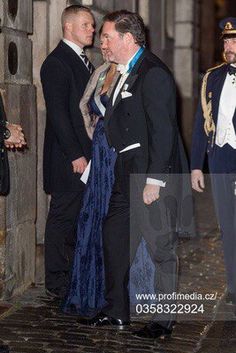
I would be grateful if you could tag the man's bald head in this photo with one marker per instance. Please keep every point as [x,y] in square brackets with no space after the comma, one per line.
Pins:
[78,25]
[70,12]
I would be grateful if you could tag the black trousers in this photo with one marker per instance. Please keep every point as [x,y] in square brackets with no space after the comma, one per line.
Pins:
[60,238]
[224,193]
[120,241]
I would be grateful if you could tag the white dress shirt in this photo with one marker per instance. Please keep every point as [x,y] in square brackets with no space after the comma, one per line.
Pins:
[225,132]
[123,69]
[75,47]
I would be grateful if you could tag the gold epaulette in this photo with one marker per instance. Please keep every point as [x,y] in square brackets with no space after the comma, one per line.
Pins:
[216,67]
[209,125]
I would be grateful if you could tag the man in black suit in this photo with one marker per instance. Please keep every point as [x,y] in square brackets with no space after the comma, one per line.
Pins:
[140,123]
[64,75]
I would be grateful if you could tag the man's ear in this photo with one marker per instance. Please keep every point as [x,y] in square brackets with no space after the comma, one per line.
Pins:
[68,27]
[128,38]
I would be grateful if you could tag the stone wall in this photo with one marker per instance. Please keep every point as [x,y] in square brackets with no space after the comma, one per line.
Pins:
[18,210]
[186,53]
[207,35]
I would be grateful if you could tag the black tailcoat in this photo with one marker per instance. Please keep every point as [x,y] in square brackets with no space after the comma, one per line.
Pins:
[147,117]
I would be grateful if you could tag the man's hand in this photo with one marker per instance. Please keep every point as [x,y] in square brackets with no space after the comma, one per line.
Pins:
[79,165]
[151,193]
[197,180]
[17,138]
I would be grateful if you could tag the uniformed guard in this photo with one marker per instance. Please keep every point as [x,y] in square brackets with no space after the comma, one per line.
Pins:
[214,134]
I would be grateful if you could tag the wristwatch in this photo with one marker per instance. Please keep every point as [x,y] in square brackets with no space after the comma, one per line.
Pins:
[6,133]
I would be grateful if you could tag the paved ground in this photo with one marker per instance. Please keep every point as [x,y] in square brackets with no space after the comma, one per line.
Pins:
[34,324]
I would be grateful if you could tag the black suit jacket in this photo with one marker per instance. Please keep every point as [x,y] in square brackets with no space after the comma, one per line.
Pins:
[64,78]
[147,117]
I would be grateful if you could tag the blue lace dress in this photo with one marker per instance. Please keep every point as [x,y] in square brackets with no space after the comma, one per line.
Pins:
[86,293]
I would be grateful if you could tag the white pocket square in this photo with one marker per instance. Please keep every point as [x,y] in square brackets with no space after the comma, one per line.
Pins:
[126,94]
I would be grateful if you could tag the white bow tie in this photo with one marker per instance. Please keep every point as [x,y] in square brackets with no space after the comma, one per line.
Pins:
[122,69]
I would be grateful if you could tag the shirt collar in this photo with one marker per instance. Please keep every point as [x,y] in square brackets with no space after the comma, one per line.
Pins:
[73,46]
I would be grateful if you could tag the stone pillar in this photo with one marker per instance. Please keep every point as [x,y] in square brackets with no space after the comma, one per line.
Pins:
[103,5]
[112,5]
[55,9]
[186,63]
[161,22]
[207,35]
[40,49]
[130,5]
[17,233]
[143,9]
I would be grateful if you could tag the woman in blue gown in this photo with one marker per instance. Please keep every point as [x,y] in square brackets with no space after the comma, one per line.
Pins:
[86,293]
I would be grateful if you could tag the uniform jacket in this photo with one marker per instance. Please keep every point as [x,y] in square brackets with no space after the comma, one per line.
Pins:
[201,143]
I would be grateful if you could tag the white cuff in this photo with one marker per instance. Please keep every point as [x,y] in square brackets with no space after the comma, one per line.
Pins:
[156,182]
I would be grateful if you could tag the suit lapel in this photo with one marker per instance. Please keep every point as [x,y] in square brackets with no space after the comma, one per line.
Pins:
[74,61]
[110,108]
[217,87]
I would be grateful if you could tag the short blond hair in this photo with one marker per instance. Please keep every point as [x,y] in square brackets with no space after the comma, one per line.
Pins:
[70,11]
